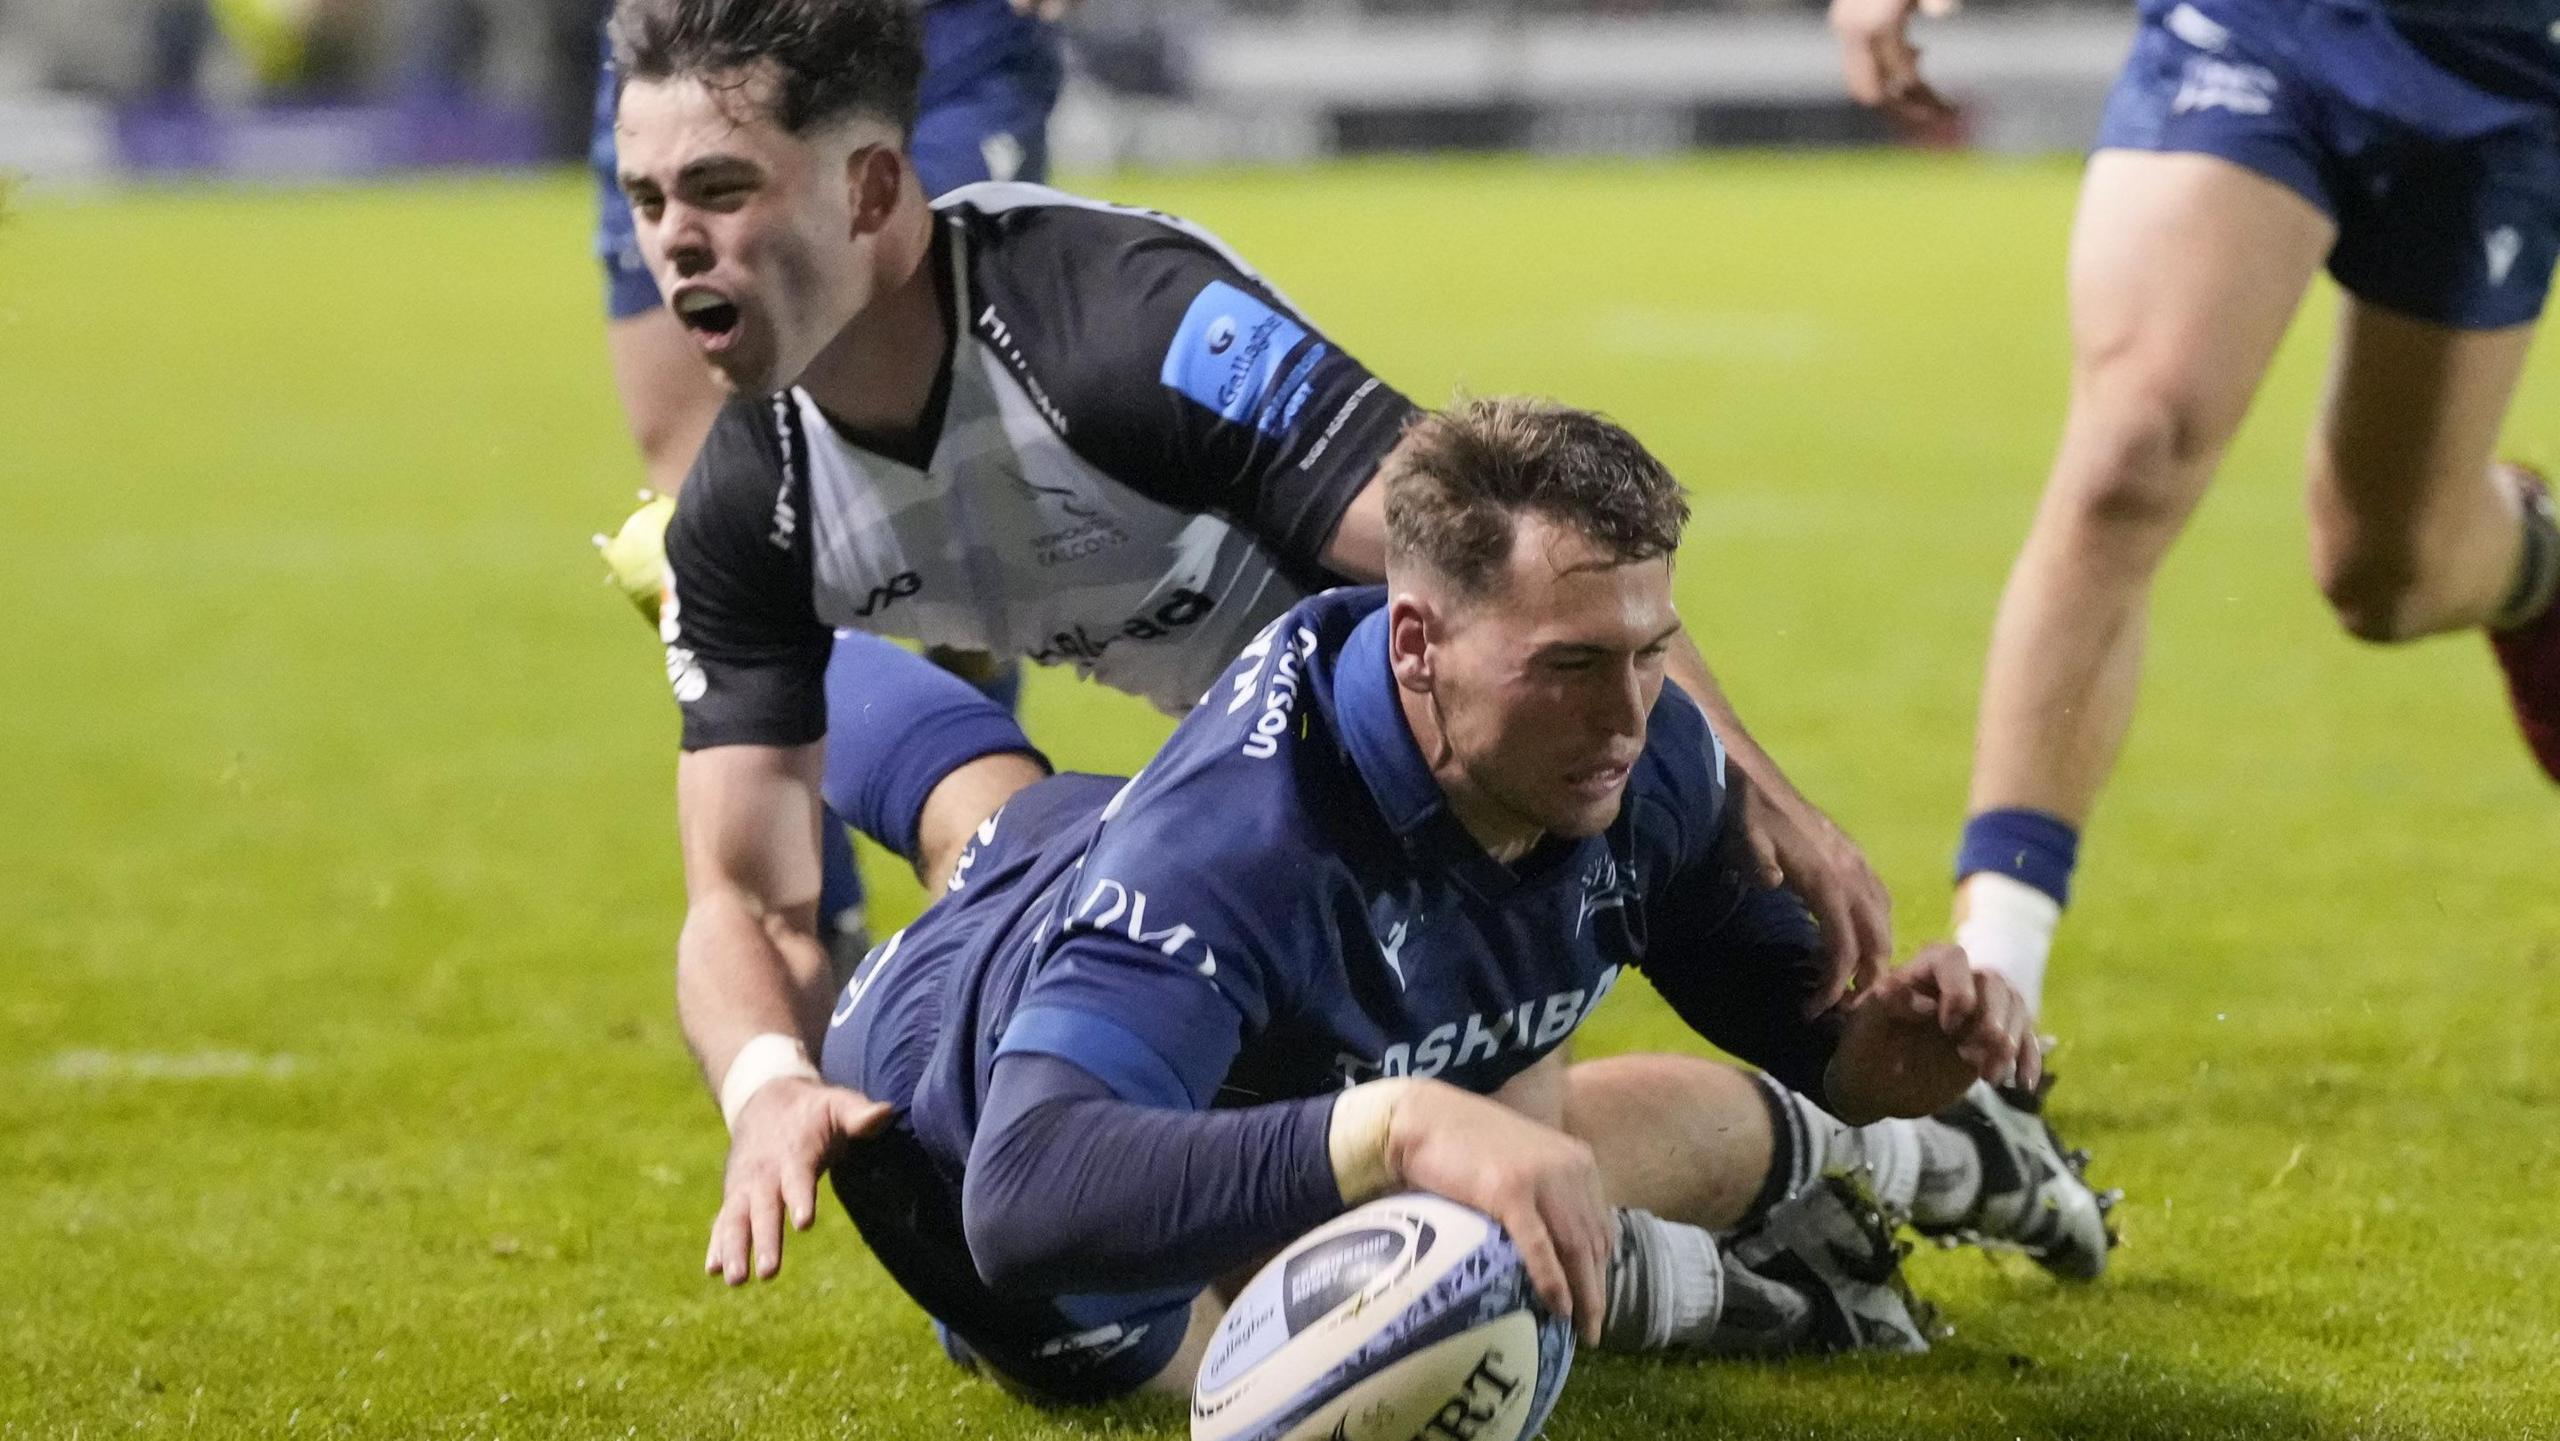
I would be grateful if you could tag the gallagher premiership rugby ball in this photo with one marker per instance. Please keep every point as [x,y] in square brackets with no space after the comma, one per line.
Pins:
[1408,1319]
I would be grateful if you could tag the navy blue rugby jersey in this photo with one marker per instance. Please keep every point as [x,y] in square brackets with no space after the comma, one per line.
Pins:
[1282,904]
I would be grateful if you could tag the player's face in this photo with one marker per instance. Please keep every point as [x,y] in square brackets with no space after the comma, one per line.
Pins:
[754,234]
[1544,687]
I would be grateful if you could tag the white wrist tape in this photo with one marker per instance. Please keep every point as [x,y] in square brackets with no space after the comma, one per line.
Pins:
[2006,925]
[1357,1139]
[766,1057]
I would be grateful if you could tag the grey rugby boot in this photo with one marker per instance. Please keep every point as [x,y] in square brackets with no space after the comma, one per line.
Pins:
[2035,1196]
[1834,1243]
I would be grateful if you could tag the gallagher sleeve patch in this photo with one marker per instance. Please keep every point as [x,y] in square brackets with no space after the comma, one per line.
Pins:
[1233,354]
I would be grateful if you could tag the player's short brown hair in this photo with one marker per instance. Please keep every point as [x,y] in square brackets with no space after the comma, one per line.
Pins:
[830,59]
[1472,471]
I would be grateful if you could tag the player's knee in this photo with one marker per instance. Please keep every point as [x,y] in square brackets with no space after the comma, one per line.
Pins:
[961,803]
[2142,451]
[2372,589]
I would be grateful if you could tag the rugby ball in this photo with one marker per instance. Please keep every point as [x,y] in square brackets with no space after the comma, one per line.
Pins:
[1406,1318]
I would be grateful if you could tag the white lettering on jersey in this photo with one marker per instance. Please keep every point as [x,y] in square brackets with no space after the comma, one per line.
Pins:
[2220,85]
[2503,245]
[684,669]
[2197,29]
[786,521]
[1280,696]
[1539,1024]
[969,856]
[1111,906]
[1341,418]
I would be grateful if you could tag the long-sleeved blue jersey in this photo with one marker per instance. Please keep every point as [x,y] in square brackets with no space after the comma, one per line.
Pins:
[1279,906]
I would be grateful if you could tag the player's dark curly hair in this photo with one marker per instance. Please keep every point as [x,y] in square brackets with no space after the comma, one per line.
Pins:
[1473,470]
[830,58]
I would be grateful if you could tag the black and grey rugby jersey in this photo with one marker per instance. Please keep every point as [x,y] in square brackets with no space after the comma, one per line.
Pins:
[1143,452]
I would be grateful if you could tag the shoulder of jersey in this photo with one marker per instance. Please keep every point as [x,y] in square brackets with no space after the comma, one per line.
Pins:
[1257,706]
[1234,757]
[1020,202]
[1681,774]
[743,477]
[1036,228]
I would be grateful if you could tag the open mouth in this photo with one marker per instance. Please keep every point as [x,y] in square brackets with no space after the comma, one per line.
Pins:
[707,312]
[1601,779]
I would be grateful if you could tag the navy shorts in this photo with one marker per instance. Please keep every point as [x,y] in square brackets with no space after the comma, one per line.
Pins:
[2434,146]
[991,78]
[882,1040]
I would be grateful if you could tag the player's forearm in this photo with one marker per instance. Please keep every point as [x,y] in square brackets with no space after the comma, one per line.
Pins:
[1746,985]
[1687,667]
[1070,1187]
[740,974]
[1887,1069]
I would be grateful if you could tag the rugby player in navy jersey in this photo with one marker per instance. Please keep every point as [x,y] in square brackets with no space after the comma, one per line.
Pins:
[1010,420]
[2411,146]
[1332,942]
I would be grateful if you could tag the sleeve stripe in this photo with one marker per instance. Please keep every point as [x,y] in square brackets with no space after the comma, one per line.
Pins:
[1111,1052]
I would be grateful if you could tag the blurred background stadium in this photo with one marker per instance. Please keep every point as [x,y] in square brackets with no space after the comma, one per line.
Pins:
[311,89]
[340,1092]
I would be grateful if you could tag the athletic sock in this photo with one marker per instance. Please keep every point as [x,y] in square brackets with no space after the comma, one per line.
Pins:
[1950,1175]
[1808,1143]
[1672,1288]
[2537,570]
[2013,877]
[1665,1285]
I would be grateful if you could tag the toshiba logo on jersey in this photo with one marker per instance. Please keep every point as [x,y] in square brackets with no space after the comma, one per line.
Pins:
[1539,1025]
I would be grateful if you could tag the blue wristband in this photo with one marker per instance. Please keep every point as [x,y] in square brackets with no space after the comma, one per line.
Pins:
[2030,846]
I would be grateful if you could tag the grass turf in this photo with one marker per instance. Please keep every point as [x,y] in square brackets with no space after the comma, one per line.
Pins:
[342,1090]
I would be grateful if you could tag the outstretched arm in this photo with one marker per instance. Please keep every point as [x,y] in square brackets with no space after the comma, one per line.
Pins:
[1069,1185]
[751,991]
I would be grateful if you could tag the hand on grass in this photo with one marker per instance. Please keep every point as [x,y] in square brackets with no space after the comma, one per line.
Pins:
[784,1136]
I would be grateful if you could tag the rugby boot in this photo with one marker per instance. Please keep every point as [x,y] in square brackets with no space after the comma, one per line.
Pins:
[1834,1245]
[2530,653]
[2035,1197]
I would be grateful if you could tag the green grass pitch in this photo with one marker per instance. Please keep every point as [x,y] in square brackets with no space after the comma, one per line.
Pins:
[339,1087]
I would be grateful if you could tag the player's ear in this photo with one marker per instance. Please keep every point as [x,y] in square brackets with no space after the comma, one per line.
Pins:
[1413,627]
[875,175]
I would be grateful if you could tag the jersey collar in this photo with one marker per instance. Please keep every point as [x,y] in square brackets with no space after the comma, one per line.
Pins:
[1383,751]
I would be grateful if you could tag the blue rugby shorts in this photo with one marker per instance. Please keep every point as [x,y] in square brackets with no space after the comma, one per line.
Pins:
[2434,145]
